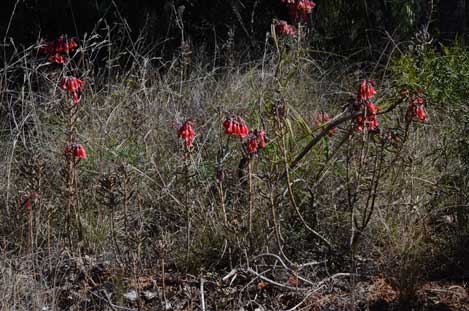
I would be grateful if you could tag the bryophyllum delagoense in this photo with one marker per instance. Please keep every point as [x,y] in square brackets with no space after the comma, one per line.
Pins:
[255,141]
[187,132]
[74,86]
[322,118]
[366,90]
[236,126]
[368,118]
[55,49]
[298,10]
[284,29]
[75,150]
[415,109]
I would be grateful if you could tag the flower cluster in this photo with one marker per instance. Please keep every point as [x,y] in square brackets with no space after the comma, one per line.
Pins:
[73,86]
[284,29]
[368,118]
[56,49]
[75,150]
[255,141]
[415,108]
[187,132]
[299,9]
[366,90]
[322,118]
[236,126]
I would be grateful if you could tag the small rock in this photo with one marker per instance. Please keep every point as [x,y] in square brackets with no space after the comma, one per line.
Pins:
[149,295]
[131,296]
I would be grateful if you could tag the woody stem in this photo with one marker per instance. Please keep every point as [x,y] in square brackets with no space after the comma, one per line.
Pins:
[250,194]
[188,215]
[30,237]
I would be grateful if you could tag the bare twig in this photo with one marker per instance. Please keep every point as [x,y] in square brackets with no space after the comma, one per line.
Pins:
[266,279]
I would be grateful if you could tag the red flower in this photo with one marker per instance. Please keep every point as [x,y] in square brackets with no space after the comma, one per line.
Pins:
[56,48]
[56,58]
[368,117]
[74,86]
[236,126]
[366,90]
[305,6]
[186,132]
[421,115]
[252,144]
[323,118]
[256,140]
[261,139]
[415,109]
[282,28]
[76,150]
[370,120]
[299,9]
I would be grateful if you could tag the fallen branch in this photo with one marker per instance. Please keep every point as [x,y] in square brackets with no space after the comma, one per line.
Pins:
[266,279]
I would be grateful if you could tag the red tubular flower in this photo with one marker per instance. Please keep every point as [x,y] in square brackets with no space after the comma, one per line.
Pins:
[76,150]
[322,118]
[186,132]
[236,126]
[251,146]
[70,46]
[372,122]
[74,86]
[305,7]
[366,90]
[371,108]
[56,58]
[261,139]
[415,109]
[256,141]
[55,48]
[421,115]
[299,9]
[368,118]
[282,28]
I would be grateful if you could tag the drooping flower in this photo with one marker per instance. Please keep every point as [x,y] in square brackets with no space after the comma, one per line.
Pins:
[366,90]
[415,109]
[55,49]
[255,141]
[187,132]
[261,139]
[236,126]
[298,10]
[75,150]
[284,29]
[368,119]
[305,7]
[322,118]
[56,58]
[251,145]
[74,86]
[369,111]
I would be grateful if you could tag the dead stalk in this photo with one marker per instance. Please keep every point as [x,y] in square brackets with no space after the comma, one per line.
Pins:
[250,194]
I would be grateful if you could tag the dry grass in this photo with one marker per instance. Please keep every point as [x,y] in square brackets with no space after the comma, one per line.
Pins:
[353,205]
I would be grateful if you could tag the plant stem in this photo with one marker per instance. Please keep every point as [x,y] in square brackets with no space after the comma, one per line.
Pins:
[250,194]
